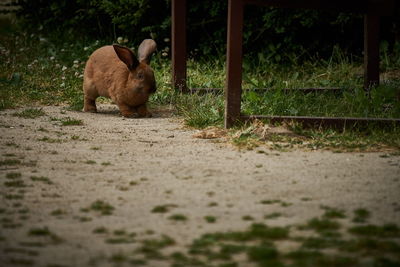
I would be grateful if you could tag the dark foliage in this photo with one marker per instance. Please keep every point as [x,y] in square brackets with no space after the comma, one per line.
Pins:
[270,34]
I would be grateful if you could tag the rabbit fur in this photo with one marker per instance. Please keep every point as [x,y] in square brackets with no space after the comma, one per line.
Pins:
[114,71]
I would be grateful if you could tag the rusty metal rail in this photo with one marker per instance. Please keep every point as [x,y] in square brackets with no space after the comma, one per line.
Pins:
[263,90]
[372,10]
[334,122]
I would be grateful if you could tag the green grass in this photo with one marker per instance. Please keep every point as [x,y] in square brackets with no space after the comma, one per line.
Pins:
[210,219]
[13,175]
[323,225]
[102,207]
[361,215]
[42,179]
[163,208]
[44,232]
[50,73]
[71,122]
[10,162]
[30,113]
[15,183]
[178,217]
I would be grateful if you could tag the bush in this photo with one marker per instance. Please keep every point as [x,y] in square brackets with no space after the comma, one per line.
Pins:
[270,34]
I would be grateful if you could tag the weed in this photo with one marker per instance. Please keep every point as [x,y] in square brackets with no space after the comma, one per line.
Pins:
[45,232]
[30,113]
[84,219]
[385,231]
[268,202]
[57,212]
[210,219]
[323,225]
[10,162]
[71,122]
[42,179]
[119,232]
[13,175]
[331,213]
[13,196]
[103,207]
[118,258]
[272,215]
[263,253]
[212,204]
[361,215]
[90,162]
[100,230]
[247,218]
[151,247]
[39,232]
[178,217]
[163,208]
[15,183]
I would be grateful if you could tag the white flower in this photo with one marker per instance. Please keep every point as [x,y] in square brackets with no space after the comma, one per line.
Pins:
[62,84]
[166,40]
[76,74]
[126,40]
[52,58]
[81,76]
[76,61]
[85,48]
[164,54]
[62,50]
[75,66]
[35,61]
[58,65]
[166,49]
[62,77]
[97,42]
[64,68]
[120,40]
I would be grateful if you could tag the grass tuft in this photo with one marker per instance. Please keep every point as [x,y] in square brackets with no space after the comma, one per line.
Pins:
[30,113]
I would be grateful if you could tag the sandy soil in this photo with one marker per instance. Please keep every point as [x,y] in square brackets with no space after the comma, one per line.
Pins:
[137,164]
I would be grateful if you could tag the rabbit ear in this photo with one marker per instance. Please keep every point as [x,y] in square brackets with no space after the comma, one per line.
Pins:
[126,55]
[146,49]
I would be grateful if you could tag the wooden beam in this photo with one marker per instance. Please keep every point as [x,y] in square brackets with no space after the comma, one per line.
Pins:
[382,7]
[233,86]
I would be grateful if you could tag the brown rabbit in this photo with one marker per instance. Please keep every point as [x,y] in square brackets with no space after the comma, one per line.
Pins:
[113,71]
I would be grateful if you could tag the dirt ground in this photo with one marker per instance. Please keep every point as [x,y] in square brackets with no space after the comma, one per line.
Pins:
[135,165]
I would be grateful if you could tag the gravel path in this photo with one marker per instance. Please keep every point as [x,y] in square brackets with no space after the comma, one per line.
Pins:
[62,184]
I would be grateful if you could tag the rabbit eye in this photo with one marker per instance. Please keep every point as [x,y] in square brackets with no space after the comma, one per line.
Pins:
[140,76]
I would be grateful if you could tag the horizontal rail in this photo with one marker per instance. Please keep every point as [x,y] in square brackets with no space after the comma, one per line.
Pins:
[378,7]
[336,122]
[303,90]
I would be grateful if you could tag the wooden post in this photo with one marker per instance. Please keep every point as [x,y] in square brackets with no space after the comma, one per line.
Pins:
[233,85]
[371,50]
[178,35]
